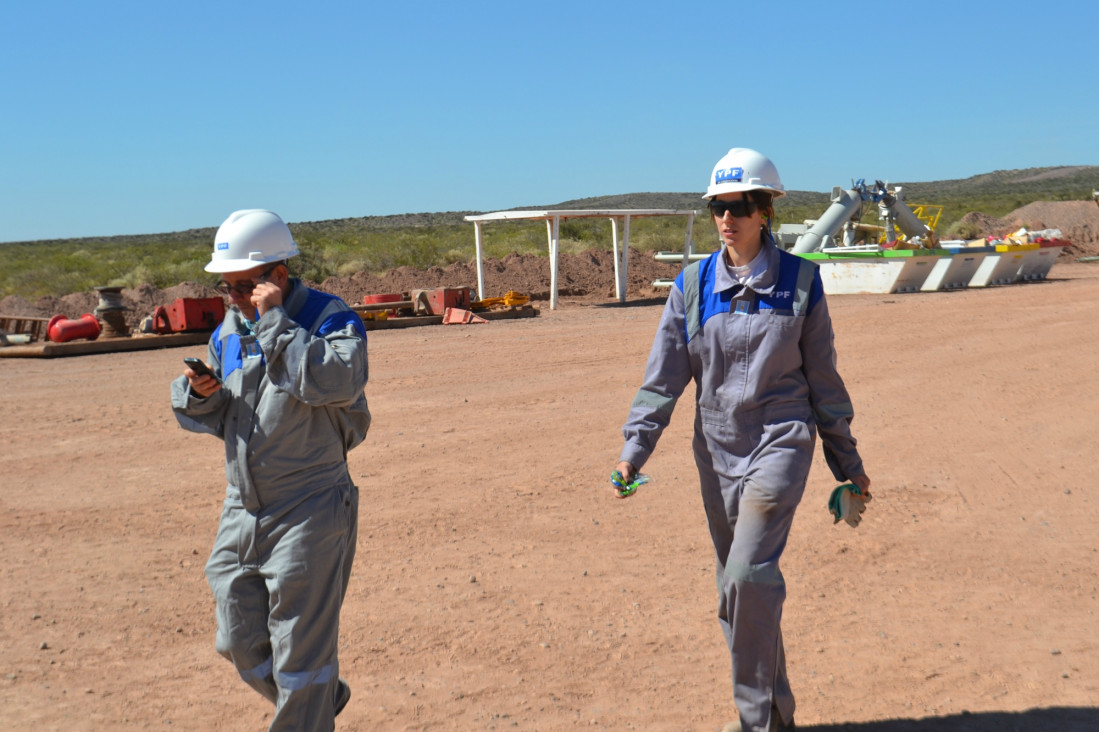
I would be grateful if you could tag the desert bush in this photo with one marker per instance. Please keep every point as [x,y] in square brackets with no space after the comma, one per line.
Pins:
[453,256]
[963,230]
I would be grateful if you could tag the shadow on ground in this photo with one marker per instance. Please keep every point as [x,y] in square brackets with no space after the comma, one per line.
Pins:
[1054,719]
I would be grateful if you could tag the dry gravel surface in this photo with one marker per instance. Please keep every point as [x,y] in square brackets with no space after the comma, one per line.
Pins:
[500,585]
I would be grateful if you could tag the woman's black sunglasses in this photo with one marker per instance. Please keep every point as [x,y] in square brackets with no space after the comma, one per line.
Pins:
[739,209]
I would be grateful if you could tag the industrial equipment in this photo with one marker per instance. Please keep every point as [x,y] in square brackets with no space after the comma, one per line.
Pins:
[189,314]
[61,329]
[844,215]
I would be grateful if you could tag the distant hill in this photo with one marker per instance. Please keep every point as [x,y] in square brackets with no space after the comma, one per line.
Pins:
[999,192]
[1062,183]
[377,244]
[995,194]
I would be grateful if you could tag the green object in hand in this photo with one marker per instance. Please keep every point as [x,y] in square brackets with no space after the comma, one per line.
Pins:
[624,488]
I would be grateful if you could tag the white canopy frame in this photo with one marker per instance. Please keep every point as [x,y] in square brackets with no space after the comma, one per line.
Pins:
[553,221]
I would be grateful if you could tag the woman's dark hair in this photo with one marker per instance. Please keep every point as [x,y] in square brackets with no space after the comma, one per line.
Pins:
[763,200]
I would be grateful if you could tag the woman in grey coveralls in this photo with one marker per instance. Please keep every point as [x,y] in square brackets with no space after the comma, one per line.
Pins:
[750,326]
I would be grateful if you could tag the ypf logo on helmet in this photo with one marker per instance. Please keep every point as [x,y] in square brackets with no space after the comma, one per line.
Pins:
[729,175]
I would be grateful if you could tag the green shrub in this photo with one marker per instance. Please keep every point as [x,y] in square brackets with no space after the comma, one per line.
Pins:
[963,230]
[375,244]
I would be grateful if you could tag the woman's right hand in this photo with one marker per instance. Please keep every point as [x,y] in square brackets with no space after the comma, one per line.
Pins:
[628,471]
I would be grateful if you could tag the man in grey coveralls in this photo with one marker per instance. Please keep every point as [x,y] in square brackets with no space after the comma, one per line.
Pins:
[287,398]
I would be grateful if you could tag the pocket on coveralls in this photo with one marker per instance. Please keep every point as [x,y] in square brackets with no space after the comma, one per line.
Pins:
[777,318]
[729,438]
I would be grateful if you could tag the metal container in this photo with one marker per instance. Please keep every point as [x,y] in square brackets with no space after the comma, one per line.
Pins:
[61,329]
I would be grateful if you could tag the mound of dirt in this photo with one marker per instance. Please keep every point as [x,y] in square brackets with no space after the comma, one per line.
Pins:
[1077,220]
[587,276]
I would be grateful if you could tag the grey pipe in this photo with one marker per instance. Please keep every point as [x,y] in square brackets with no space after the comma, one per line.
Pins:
[893,206]
[844,205]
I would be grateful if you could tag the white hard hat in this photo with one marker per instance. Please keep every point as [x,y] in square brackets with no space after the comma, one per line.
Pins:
[249,238]
[742,169]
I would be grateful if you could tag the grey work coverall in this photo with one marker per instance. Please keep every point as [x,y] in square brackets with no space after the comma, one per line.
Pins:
[764,366]
[290,408]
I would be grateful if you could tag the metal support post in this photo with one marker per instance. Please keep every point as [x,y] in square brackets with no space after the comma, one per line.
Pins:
[688,244]
[554,234]
[625,259]
[480,268]
[614,252]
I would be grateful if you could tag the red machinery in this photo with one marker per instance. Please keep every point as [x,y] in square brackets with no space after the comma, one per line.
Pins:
[395,298]
[419,302]
[435,302]
[189,313]
[61,329]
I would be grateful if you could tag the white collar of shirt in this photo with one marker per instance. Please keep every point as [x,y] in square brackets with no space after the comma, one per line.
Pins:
[746,272]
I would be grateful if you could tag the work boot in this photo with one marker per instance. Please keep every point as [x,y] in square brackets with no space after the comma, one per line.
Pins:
[343,695]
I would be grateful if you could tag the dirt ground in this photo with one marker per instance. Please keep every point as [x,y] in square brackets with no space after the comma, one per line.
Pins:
[498,583]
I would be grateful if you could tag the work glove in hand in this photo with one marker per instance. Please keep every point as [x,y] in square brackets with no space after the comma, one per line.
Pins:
[847,504]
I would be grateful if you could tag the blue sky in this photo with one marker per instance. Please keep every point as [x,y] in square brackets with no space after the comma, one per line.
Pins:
[132,118]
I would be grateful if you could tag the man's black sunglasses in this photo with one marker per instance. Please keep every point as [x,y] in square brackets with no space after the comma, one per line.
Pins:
[739,209]
[244,289]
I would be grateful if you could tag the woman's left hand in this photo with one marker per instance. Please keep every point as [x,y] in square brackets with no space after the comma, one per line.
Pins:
[863,484]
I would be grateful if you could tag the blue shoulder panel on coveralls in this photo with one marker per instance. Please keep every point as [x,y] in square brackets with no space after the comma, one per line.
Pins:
[230,356]
[797,288]
[700,302]
[228,352]
[316,304]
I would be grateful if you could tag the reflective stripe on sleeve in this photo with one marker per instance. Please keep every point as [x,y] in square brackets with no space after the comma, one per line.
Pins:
[804,286]
[828,413]
[692,316]
[659,403]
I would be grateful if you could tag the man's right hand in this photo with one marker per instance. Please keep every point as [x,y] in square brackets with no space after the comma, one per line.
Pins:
[204,385]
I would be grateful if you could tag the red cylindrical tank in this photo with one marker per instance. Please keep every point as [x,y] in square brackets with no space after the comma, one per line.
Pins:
[60,329]
[378,299]
[384,298]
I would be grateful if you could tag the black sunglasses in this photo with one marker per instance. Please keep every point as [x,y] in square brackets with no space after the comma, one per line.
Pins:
[739,209]
[246,287]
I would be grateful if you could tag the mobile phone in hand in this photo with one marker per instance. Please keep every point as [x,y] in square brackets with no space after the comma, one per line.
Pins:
[199,367]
